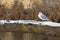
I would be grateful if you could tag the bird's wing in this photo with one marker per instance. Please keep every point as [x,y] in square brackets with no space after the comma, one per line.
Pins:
[42,16]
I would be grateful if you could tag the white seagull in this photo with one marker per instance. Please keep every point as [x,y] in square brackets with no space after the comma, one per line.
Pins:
[42,16]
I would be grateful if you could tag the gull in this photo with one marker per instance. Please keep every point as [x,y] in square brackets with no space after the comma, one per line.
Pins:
[42,16]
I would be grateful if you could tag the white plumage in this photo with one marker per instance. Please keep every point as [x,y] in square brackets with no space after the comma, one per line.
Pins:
[42,16]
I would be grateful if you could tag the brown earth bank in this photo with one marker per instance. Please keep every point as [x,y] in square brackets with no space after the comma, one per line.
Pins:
[45,34]
[28,32]
[26,36]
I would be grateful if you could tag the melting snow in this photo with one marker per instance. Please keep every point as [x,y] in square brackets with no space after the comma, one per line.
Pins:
[48,23]
[52,24]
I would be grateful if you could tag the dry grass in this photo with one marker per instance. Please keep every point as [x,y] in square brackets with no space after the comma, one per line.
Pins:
[2,11]
[17,12]
[51,8]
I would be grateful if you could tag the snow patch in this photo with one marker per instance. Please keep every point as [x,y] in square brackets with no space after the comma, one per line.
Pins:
[45,23]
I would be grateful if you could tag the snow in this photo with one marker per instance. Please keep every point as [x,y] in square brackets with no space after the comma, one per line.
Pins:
[52,24]
[45,23]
